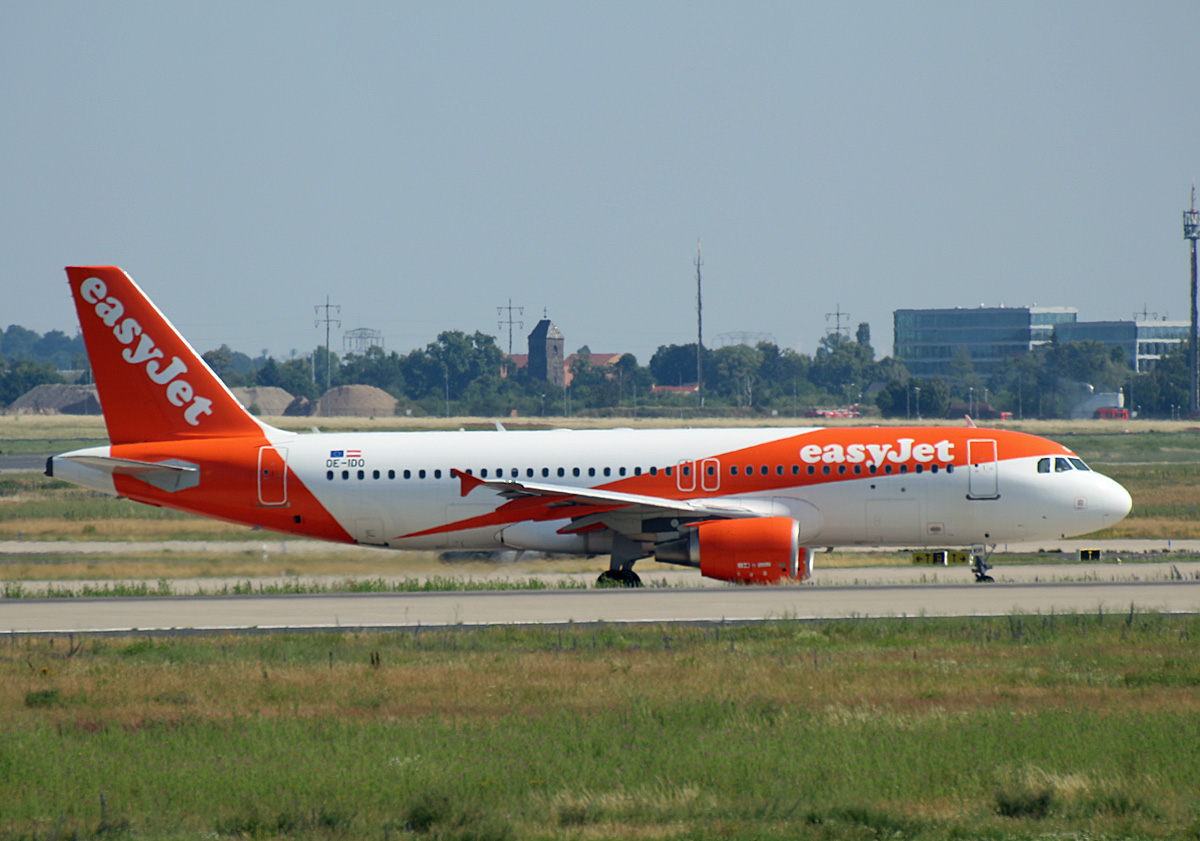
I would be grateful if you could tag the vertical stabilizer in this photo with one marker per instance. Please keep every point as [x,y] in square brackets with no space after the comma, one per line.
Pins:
[153,386]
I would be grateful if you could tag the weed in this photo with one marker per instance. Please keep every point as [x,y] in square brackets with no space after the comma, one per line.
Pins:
[43,698]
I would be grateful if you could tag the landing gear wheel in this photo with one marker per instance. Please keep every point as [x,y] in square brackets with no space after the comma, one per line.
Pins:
[618,578]
[981,566]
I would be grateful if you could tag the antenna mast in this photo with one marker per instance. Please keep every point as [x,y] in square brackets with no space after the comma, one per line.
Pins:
[510,322]
[317,323]
[841,324]
[699,329]
[1191,230]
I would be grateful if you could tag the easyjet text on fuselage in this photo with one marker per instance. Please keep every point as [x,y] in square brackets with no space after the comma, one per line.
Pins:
[875,455]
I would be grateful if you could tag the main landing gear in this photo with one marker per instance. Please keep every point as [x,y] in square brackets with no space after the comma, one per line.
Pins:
[620,572]
[618,578]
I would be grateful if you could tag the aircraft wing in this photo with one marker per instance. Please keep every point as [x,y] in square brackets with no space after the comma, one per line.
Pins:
[563,496]
[591,508]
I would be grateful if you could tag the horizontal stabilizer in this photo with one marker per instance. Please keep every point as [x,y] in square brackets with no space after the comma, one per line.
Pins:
[166,475]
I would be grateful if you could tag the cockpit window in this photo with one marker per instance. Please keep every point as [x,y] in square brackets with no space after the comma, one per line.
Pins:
[1079,465]
[1061,465]
[1043,465]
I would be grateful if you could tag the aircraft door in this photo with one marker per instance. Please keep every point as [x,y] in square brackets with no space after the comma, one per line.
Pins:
[272,476]
[982,472]
[685,476]
[710,474]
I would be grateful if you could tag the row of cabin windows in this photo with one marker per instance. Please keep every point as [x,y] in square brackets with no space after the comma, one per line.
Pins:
[709,470]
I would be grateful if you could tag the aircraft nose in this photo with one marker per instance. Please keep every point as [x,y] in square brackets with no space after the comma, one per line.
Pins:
[1113,501]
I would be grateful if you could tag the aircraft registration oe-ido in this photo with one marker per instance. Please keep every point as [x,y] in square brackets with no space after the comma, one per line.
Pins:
[742,505]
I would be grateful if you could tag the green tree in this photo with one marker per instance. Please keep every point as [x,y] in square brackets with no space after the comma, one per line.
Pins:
[22,375]
[914,398]
[676,364]
[294,376]
[736,373]
[844,368]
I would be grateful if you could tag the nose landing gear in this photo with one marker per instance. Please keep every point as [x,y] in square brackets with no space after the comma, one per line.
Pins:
[980,566]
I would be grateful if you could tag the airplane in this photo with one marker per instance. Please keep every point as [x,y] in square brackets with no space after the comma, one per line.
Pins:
[742,505]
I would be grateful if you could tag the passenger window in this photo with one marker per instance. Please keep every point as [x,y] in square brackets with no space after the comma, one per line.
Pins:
[407,474]
[1061,465]
[637,471]
[733,470]
[361,474]
[329,474]
[545,472]
[621,471]
[591,471]
[515,472]
[345,474]
[1043,465]
[375,474]
[653,471]
[811,470]
[841,469]
[420,474]
[562,472]
[764,470]
[795,470]
[483,473]
[711,471]
[858,469]
[779,470]
[528,472]
[668,470]
[391,474]
[437,474]
[825,470]
[608,471]
[575,471]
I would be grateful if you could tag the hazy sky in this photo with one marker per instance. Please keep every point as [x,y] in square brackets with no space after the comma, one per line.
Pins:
[422,163]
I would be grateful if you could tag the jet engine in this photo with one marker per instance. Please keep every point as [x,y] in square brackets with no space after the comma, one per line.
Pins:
[755,550]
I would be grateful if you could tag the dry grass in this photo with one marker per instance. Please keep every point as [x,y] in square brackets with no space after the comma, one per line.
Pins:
[182,527]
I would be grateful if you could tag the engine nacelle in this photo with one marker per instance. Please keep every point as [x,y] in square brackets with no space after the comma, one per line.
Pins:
[755,550]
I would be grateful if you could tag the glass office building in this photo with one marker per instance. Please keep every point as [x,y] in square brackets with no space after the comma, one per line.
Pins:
[927,340]
[1146,341]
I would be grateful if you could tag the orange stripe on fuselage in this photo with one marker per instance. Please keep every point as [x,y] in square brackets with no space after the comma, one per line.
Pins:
[897,448]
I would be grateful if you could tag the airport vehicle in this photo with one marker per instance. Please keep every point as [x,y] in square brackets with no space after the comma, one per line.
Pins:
[742,505]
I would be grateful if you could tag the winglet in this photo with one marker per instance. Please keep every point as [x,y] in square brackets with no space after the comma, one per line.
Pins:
[469,482]
[970,422]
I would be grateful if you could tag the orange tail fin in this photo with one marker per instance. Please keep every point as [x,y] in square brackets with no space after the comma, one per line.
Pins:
[153,386]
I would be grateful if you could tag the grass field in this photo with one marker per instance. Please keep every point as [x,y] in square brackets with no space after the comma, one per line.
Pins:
[1018,727]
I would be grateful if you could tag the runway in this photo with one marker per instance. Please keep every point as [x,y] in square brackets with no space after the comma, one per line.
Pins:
[650,605]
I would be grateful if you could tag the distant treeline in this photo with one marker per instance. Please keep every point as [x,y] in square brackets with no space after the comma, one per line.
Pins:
[468,374]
